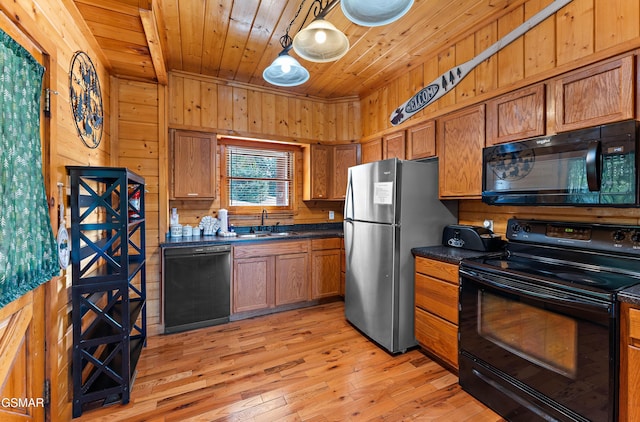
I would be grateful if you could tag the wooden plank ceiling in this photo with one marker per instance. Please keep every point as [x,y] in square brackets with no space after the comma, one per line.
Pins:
[237,39]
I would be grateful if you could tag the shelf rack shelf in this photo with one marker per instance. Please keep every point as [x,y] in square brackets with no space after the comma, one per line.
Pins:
[108,283]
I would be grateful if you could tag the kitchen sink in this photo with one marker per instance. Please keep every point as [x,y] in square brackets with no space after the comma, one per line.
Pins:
[263,234]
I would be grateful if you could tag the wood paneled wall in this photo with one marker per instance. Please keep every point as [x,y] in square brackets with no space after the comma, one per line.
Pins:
[199,102]
[60,32]
[583,32]
[474,212]
[141,146]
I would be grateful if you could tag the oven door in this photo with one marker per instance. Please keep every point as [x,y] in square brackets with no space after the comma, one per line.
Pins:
[531,351]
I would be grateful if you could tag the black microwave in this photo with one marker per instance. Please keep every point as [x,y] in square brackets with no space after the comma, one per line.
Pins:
[597,166]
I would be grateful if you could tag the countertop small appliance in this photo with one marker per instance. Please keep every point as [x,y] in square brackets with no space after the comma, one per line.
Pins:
[475,238]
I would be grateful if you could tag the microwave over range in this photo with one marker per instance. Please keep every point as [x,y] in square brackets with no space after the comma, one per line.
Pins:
[597,166]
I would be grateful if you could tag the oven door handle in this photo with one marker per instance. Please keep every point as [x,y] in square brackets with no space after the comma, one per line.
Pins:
[557,298]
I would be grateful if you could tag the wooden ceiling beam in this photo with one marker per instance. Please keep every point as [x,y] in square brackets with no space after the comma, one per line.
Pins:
[151,20]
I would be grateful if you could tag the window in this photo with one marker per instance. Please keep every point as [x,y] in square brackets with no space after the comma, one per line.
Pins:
[257,175]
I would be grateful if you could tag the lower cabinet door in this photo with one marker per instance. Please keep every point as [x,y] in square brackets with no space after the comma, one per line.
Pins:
[253,283]
[438,336]
[325,273]
[292,275]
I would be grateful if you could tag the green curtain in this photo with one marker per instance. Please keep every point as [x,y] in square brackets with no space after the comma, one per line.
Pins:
[28,251]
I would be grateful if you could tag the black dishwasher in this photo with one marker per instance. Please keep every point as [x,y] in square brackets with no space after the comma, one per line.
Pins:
[196,287]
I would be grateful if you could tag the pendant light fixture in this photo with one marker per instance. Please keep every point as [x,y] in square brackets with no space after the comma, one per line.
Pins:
[321,41]
[285,71]
[375,12]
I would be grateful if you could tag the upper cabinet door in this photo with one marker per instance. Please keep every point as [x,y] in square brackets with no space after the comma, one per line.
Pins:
[461,136]
[596,95]
[394,146]
[344,156]
[194,165]
[516,115]
[371,151]
[421,140]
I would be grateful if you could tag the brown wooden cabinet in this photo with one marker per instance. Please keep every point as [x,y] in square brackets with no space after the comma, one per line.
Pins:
[371,151]
[436,308]
[421,140]
[461,137]
[344,156]
[517,115]
[193,165]
[326,170]
[325,267]
[394,145]
[291,278]
[595,95]
[270,274]
[629,363]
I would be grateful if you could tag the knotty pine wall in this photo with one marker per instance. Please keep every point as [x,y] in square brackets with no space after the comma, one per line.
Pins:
[198,102]
[60,33]
[581,33]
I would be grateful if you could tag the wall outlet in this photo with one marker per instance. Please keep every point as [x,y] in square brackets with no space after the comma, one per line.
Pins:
[331,215]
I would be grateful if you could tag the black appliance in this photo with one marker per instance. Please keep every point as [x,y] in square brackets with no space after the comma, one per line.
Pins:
[196,287]
[590,167]
[539,325]
[475,238]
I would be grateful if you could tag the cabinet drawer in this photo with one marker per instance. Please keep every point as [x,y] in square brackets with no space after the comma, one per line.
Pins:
[437,336]
[438,269]
[328,243]
[270,248]
[634,323]
[438,297]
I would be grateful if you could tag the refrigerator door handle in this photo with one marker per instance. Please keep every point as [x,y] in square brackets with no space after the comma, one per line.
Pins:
[348,202]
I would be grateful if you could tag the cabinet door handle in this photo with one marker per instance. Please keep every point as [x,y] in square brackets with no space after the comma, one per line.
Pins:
[192,194]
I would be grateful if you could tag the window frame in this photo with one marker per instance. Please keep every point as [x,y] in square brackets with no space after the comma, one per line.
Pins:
[224,143]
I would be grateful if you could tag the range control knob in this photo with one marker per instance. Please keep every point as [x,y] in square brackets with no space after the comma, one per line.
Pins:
[515,227]
[635,237]
[527,229]
[618,236]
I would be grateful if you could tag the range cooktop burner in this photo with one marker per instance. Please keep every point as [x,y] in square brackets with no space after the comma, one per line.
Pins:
[566,273]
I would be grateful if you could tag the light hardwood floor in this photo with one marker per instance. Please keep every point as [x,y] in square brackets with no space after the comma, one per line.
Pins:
[302,365]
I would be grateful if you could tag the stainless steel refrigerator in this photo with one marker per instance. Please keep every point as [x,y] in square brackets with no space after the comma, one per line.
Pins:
[391,206]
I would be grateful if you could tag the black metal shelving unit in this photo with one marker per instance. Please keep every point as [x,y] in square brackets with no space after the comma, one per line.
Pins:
[109,283]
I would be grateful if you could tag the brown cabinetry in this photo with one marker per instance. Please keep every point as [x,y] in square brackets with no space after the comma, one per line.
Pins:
[461,137]
[371,151]
[394,146]
[193,165]
[325,267]
[629,363]
[598,94]
[516,115]
[421,140]
[436,308]
[270,274]
[326,170]
[344,156]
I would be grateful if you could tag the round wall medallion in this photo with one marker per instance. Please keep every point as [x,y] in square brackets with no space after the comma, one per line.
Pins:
[86,99]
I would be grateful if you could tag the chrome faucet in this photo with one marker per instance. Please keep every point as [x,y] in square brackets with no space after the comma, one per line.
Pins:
[262,218]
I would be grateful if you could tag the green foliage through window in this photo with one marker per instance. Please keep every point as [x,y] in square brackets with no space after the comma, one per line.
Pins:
[259,177]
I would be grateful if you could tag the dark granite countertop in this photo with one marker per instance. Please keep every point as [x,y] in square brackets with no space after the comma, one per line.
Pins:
[295,233]
[630,295]
[448,254]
